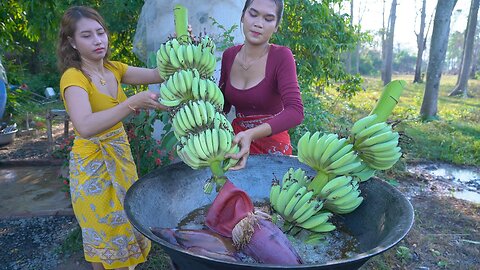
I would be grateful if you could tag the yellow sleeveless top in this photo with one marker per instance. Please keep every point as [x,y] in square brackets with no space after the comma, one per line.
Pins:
[98,100]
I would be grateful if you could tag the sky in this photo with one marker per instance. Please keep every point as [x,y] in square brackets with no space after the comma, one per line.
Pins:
[408,18]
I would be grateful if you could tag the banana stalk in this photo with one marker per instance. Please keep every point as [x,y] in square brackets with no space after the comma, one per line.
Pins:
[218,174]
[388,100]
[318,182]
[180,14]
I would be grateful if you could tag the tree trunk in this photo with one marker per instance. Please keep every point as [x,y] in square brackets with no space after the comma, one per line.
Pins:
[475,61]
[384,30]
[349,56]
[438,50]
[462,82]
[357,57]
[421,46]
[389,43]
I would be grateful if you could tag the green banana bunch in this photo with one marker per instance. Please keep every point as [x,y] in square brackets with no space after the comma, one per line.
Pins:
[193,116]
[339,193]
[344,199]
[204,134]
[208,91]
[376,143]
[296,204]
[207,147]
[284,197]
[174,55]
[327,155]
[177,88]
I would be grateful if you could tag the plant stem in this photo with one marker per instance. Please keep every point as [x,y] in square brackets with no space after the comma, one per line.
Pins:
[180,14]
[318,182]
[218,174]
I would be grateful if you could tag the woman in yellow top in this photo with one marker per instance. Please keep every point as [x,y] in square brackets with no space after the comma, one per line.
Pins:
[101,164]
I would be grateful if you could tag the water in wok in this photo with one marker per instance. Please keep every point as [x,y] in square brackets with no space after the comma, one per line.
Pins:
[167,195]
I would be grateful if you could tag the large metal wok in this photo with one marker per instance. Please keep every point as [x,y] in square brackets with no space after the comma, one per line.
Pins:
[165,196]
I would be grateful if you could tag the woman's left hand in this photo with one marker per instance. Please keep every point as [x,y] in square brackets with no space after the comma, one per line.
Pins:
[243,139]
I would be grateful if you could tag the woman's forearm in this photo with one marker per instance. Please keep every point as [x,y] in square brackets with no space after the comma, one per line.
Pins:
[261,131]
[95,123]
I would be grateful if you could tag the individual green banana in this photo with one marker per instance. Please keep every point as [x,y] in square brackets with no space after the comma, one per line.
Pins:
[343,151]
[368,132]
[305,198]
[202,87]
[332,147]
[187,78]
[209,140]
[385,153]
[203,142]
[198,147]
[274,193]
[310,204]
[340,192]
[171,87]
[162,52]
[181,55]
[334,184]
[174,59]
[190,117]
[165,93]
[326,227]
[197,55]
[310,212]
[347,168]
[345,209]
[197,115]
[189,54]
[316,220]
[175,44]
[320,147]
[179,127]
[231,162]
[287,178]
[345,200]
[215,141]
[312,143]
[300,176]
[180,83]
[293,201]
[169,103]
[302,146]
[380,138]
[285,196]
[223,140]
[342,161]
[363,123]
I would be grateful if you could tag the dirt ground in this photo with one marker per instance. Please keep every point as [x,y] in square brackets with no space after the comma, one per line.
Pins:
[446,232]
[32,145]
[445,235]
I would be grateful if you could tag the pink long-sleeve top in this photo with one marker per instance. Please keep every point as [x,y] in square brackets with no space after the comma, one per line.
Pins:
[277,94]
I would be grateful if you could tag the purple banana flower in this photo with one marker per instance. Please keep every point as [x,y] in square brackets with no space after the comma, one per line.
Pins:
[201,242]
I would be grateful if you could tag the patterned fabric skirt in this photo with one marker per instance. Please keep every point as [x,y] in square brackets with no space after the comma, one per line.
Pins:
[277,144]
[101,171]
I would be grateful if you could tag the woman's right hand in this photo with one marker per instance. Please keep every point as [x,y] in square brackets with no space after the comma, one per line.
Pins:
[145,100]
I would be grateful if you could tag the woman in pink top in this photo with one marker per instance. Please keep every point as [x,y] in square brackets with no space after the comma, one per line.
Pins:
[260,80]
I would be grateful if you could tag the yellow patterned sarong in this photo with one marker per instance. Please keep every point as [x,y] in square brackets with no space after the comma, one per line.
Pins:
[101,172]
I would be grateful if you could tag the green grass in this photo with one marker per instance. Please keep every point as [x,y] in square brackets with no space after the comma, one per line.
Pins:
[454,138]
